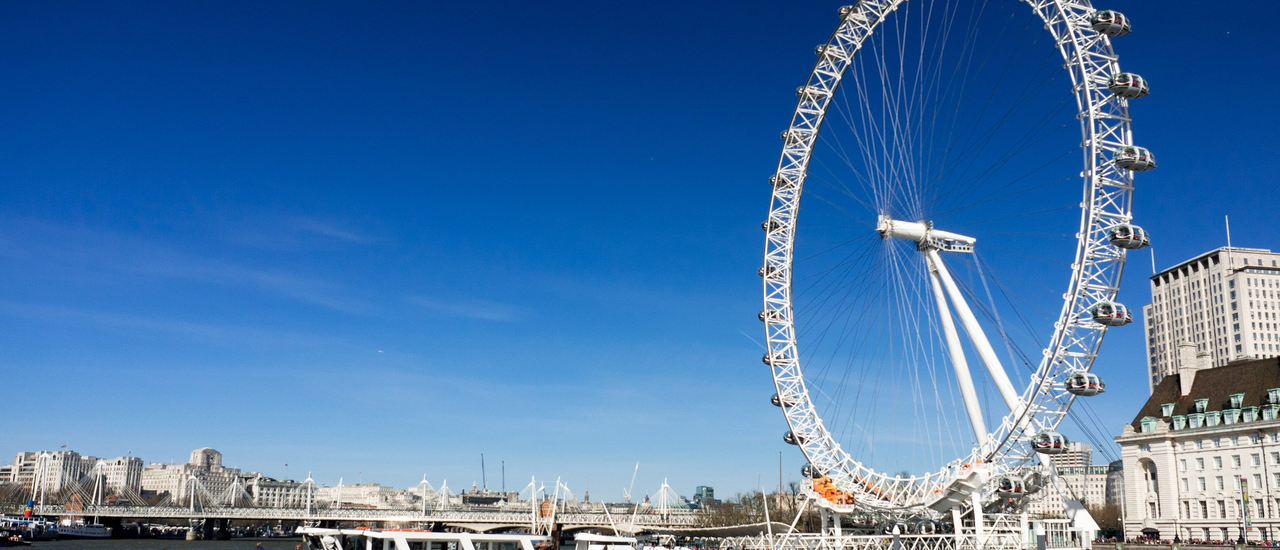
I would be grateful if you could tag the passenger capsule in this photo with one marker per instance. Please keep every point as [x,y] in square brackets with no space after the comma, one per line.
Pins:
[1128,85]
[769,315]
[774,359]
[852,12]
[779,402]
[1131,157]
[769,226]
[794,136]
[1110,23]
[810,472]
[829,52]
[811,93]
[1010,486]
[792,439]
[1084,383]
[1049,443]
[926,526]
[1112,314]
[767,271]
[779,180]
[1129,237]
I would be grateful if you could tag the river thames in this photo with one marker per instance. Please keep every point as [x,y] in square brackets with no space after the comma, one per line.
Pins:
[157,544]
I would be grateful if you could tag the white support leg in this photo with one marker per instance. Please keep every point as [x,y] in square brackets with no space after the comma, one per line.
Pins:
[977,336]
[979,530]
[958,361]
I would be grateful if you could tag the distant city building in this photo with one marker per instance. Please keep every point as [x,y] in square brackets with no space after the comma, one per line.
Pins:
[359,495]
[1225,302]
[205,466]
[1204,430]
[50,470]
[1082,480]
[275,493]
[124,472]
[1115,483]
[704,496]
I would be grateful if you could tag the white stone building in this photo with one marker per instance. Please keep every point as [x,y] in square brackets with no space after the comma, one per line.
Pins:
[52,470]
[123,472]
[275,493]
[205,466]
[359,495]
[1226,302]
[1201,432]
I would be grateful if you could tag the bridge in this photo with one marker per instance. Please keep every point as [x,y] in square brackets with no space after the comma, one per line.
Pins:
[476,519]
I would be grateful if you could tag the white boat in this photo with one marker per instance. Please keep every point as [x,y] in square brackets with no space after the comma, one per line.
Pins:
[316,538]
[592,541]
[80,530]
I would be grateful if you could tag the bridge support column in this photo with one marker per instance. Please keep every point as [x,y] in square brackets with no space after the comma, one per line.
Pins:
[224,529]
[206,529]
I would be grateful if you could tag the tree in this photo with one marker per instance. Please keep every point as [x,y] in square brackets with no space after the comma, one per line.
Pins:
[1108,517]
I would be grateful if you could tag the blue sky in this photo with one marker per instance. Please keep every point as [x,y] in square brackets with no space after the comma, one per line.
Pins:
[378,240]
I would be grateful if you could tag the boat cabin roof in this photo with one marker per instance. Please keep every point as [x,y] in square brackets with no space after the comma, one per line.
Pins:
[400,538]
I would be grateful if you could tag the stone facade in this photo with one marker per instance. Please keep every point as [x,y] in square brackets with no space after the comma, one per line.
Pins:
[205,466]
[1202,432]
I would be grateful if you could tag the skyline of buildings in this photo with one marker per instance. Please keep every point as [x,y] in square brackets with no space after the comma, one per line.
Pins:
[45,473]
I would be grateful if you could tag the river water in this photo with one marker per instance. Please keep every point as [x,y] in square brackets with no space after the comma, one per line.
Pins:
[158,544]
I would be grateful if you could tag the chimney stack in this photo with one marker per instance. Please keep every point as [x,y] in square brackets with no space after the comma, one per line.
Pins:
[1189,361]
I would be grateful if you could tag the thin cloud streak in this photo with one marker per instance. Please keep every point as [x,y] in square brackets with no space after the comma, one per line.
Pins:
[107,251]
[62,314]
[471,309]
[317,227]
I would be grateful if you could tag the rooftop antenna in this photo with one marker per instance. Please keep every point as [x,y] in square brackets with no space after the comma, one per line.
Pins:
[1228,220]
[483,481]
[1230,263]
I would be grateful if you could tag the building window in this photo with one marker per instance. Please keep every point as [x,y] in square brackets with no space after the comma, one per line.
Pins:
[1166,409]
[1255,459]
[1201,404]
[1235,461]
[1219,483]
[1182,462]
[1180,422]
[1237,399]
[1185,486]
[1217,463]
[1200,481]
[1204,514]
[1200,463]
[1148,424]
[1222,510]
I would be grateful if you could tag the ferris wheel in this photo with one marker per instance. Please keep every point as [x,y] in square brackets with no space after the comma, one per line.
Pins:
[948,199]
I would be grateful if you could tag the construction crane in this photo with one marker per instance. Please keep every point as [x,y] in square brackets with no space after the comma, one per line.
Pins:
[626,493]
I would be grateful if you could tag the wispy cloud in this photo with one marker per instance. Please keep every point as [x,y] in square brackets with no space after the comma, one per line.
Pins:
[275,231]
[471,309]
[325,229]
[94,252]
[118,321]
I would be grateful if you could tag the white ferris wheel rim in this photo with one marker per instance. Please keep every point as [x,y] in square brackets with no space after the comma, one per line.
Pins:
[1096,270]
